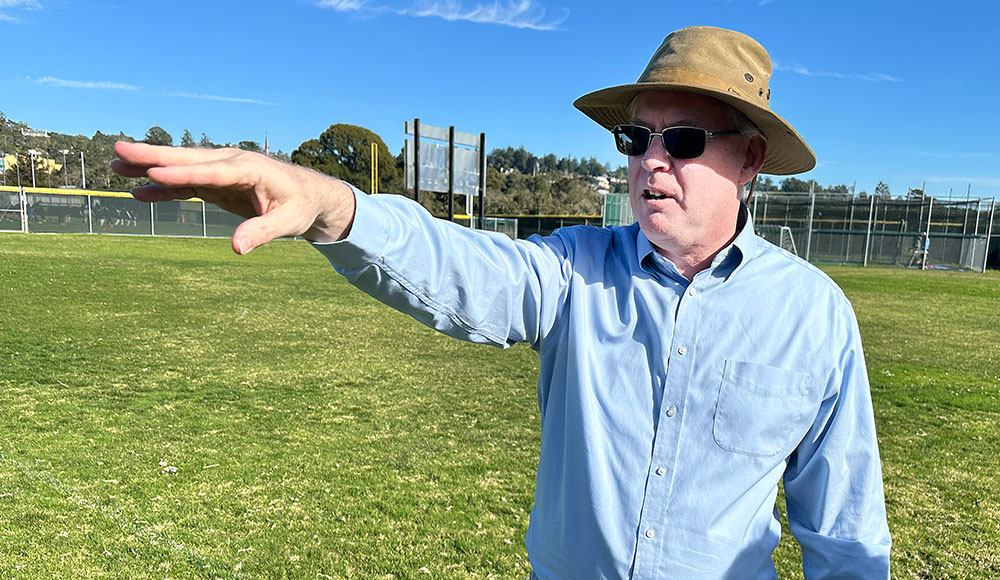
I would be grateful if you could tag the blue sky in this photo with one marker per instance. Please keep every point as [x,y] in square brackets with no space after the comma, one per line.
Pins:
[902,92]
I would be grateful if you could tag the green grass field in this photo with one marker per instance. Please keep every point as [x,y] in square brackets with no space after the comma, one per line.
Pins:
[173,411]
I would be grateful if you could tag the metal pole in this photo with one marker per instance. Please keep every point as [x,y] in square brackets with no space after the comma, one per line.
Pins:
[812,210]
[416,160]
[90,215]
[965,222]
[204,223]
[850,232]
[32,153]
[482,181]
[83,173]
[927,234]
[989,233]
[152,220]
[24,211]
[979,203]
[868,233]
[65,173]
[451,173]
[920,220]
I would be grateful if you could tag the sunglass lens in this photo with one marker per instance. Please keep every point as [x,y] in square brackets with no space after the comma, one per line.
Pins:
[684,142]
[631,139]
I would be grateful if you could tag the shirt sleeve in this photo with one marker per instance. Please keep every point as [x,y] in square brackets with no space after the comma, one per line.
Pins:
[833,482]
[473,285]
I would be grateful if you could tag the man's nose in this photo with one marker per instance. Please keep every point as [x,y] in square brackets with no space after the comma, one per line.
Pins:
[656,157]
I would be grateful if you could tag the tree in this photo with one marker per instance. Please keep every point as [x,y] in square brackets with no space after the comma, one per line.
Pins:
[547,164]
[187,140]
[250,146]
[882,190]
[158,136]
[794,184]
[915,193]
[206,142]
[765,183]
[344,151]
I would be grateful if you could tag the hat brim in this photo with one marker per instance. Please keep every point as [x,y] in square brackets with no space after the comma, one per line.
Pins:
[787,152]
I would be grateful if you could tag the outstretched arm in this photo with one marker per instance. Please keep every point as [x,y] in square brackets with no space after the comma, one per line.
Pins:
[278,199]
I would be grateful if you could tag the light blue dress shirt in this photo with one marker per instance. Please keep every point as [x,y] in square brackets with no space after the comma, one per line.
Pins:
[670,409]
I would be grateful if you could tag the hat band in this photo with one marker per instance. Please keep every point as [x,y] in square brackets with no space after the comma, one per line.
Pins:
[694,80]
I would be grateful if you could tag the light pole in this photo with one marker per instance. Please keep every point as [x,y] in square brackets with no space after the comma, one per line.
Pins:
[32,152]
[65,175]
[83,173]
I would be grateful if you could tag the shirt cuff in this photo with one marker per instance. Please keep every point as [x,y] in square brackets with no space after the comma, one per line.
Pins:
[364,243]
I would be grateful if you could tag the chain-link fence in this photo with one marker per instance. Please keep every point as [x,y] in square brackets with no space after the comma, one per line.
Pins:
[39,209]
[917,231]
[829,228]
[841,228]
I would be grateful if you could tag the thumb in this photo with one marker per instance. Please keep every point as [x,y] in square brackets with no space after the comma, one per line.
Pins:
[284,220]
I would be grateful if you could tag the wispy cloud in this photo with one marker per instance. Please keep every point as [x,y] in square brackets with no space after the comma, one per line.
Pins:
[342,5]
[101,85]
[870,77]
[119,86]
[224,99]
[6,5]
[524,14]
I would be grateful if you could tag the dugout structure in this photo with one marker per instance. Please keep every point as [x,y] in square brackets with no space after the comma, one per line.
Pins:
[59,210]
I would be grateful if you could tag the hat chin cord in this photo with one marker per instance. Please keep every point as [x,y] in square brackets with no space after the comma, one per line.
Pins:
[753,184]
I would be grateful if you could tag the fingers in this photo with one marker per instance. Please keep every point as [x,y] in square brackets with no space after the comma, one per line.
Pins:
[144,155]
[284,220]
[218,174]
[126,170]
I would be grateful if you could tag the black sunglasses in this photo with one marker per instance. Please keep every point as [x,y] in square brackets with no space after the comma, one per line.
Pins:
[680,142]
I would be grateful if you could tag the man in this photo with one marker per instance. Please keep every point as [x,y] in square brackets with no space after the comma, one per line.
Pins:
[686,366]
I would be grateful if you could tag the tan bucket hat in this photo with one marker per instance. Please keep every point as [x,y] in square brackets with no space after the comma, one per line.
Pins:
[723,64]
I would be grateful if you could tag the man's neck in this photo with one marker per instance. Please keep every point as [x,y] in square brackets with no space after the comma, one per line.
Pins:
[693,258]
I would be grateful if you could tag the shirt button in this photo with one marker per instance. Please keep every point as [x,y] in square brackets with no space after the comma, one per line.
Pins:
[671,411]
[650,533]
[692,291]
[661,470]
[682,350]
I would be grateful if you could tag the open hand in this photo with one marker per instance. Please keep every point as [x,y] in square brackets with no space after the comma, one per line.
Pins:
[278,199]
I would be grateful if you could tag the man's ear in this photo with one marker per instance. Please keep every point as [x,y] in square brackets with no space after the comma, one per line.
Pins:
[754,159]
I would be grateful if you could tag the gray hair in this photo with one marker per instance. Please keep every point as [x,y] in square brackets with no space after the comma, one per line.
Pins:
[736,118]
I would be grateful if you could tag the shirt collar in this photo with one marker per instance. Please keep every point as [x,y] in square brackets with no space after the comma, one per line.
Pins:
[730,259]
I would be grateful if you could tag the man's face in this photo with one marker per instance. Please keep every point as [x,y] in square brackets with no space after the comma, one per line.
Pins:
[688,204]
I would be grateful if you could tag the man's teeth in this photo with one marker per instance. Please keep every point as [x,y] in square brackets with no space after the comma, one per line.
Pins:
[654,195]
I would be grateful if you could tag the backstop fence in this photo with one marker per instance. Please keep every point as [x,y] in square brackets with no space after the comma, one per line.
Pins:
[924,232]
[916,231]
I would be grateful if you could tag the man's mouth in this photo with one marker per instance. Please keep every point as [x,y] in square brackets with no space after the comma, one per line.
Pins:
[650,194]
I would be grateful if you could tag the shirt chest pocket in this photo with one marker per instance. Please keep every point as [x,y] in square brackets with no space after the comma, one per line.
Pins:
[763,410]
